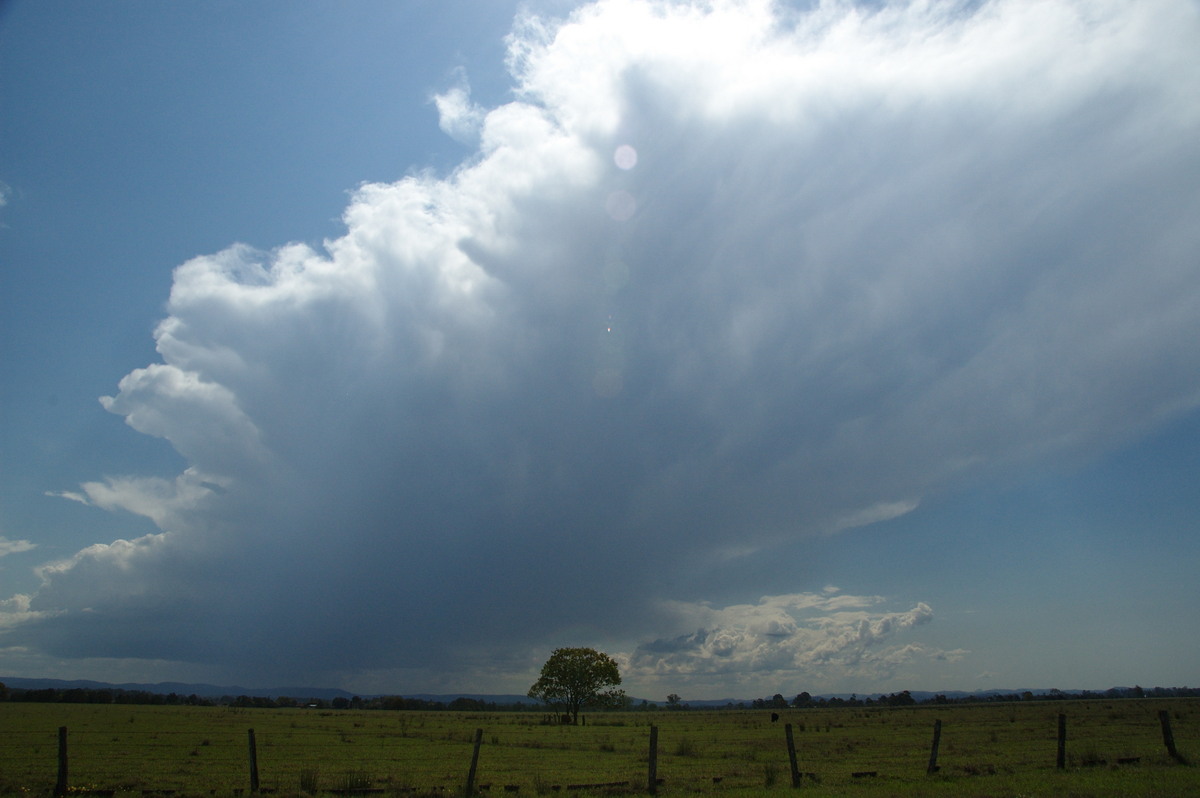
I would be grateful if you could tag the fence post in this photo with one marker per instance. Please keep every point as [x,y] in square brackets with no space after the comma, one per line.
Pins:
[791,744]
[652,774]
[1164,718]
[1062,741]
[60,786]
[253,764]
[474,762]
[933,752]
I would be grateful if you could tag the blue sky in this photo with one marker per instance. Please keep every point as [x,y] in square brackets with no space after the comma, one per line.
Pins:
[767,346]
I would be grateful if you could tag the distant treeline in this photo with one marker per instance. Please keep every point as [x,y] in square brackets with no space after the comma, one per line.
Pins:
[906,699]
[114,695]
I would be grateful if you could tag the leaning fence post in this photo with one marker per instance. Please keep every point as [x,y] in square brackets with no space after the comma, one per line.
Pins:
[60,786]
[253,764]
[1164,718]
[474,762]
[652,770]
[933,751]
[1062,741]
[791,744]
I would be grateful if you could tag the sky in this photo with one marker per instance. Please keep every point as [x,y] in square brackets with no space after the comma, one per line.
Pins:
[767,346]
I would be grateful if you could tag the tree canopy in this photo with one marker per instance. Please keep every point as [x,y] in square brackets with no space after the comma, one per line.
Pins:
[577,678]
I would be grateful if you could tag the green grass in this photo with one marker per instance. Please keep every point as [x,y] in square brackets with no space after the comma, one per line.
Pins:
[986,750]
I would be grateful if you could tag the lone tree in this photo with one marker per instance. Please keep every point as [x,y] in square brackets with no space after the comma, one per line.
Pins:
[578,677]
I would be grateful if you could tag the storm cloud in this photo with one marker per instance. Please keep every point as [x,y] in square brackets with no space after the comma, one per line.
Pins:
[720,276]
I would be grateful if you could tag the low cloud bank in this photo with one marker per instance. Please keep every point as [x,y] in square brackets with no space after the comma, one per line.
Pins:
[819,638]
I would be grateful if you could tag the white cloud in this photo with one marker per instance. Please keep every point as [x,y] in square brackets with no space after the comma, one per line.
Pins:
[14,546]
[458,117]
[884,511]
[15,610]
[803,638]
[69,495]
[218,436]
[862,254]
[160,500]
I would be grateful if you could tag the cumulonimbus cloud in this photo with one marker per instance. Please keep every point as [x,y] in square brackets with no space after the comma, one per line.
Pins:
[722,274]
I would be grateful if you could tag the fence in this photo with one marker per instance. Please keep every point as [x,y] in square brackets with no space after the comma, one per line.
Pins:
[312,757]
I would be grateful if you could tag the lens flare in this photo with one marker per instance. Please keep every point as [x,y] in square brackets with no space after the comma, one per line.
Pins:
[625,157]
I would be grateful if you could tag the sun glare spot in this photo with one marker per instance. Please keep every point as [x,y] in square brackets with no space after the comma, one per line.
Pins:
[625,157]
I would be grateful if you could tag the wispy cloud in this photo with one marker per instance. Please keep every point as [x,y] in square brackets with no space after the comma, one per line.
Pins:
[14,546]
[69,495]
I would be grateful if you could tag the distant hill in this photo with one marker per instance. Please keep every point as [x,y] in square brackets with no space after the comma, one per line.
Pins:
[217,691]
[179,688]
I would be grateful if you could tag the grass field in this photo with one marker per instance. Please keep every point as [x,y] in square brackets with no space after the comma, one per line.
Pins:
[986,750]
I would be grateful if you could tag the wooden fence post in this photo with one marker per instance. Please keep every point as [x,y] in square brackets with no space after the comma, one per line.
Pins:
[474,762]
[933,751]
[1164,718]
[60,786]
[652,774]
[253,764]
[1062,741]
[791,745]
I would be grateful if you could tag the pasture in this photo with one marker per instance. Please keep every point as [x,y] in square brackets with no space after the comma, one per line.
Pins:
[1114,748]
